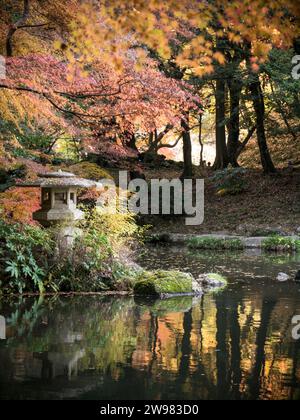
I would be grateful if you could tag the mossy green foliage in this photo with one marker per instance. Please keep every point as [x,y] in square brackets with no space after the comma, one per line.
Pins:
[215,243]
[157,283]
[278,243]
[89,170]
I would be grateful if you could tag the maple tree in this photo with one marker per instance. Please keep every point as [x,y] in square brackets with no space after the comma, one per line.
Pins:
[54,84]
[253,26]
[86,66]
[18,205]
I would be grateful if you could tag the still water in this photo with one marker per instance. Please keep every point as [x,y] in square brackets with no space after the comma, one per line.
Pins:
[233,345]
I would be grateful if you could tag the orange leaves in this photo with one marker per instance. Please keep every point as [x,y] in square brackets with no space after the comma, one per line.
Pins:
[263,23]
[260,50]
[219,57]
[98,69]
[18,204]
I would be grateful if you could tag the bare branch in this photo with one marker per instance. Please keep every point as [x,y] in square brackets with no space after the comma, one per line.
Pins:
[170,146]
[243,144]
[38,25]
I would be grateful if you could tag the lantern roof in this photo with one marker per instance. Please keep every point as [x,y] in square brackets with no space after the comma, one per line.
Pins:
[59,179]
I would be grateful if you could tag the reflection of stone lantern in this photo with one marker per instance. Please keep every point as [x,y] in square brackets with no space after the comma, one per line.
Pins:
[59,197]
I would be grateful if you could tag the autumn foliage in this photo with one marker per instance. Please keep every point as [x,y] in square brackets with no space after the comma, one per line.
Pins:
[95,67]
[95,73]
[18,205]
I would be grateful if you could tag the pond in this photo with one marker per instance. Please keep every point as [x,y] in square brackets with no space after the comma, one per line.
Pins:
[233,345]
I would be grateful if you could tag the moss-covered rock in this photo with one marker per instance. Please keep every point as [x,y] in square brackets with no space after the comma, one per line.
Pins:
[163,283]
[212,281]
[89,170]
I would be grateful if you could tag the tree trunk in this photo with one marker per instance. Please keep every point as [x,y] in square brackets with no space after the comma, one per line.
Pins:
[201,141]
[152,145]
[129,140]
[235,90]
[222,160]
[132,143]
[155,140]
[259,108]
[187,151]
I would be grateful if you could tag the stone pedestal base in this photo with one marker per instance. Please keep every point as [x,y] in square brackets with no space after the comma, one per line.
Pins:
[65,240]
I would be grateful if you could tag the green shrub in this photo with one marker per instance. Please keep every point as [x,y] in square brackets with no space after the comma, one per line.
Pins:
[34,140]
[24,253]
[215,243]
[90,171]
[229,181]
[278,243]
[33,260]
[94,264]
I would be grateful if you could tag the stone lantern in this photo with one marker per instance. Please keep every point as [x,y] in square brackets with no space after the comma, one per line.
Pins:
[59,197]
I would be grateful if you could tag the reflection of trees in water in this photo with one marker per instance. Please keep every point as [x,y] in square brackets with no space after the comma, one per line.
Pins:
[235,374]
[55,343]
[223,347]
[186,347]
[222,351]
[294,383]
[260,357]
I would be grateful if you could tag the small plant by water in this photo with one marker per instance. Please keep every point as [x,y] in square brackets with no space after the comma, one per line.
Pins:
[216,244]
[278,243]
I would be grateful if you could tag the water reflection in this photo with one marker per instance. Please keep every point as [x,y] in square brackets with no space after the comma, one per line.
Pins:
[233,345]
[224,346]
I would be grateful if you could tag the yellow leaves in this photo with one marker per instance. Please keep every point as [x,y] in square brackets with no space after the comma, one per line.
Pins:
[234,37]
[107,30]
[156,40]
[222,193]
[260,50]
[12,107]
[57,45]
[201,71]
